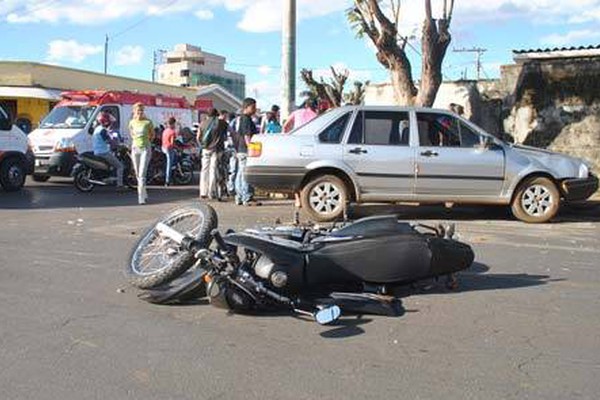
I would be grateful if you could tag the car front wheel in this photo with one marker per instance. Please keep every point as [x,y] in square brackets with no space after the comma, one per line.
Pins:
[537,200]
[324,198]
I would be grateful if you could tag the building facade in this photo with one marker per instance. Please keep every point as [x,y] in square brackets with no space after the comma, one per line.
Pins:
[28,90]
[190,66]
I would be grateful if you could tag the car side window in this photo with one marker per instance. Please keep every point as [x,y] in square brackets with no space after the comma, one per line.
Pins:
[381,128]
[356,135]
[438,130]
[334,132]
[468,138]
[4,121]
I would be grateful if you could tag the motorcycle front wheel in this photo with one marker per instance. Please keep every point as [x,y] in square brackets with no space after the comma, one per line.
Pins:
[155,260]
[82,180]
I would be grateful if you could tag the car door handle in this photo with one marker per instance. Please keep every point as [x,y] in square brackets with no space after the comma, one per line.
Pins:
[429,153]
[357,150]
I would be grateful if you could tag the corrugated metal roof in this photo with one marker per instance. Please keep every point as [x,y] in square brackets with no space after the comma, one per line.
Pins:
[548,50]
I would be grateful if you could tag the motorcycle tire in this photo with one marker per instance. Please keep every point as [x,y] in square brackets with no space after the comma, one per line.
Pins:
[183,174]
[155,260]
[82,181]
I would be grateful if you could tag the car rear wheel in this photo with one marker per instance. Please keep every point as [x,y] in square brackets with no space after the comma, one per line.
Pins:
[324,198]
[537,200]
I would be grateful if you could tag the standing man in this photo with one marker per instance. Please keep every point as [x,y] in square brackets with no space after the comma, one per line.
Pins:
[247,129]
[212,134]
[168,148]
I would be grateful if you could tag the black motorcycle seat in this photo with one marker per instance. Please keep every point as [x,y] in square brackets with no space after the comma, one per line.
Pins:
[95,161]
[373,226]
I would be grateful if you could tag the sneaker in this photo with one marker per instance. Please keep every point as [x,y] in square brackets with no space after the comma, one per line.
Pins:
[252,203]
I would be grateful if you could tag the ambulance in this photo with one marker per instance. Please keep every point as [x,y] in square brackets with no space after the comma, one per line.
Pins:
[16,158]
[67,130]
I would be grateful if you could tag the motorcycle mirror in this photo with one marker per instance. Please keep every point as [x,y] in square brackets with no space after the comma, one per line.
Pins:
[327,315]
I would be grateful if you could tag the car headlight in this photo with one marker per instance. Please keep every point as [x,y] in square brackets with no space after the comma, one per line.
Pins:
[64,145]
[584,171]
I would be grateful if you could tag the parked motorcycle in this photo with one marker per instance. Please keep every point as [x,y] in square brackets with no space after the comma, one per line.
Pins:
[310,270]
[182,173]
[91,171]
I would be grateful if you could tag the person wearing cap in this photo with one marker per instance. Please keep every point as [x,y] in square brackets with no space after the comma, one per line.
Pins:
[103,143]
[301,116]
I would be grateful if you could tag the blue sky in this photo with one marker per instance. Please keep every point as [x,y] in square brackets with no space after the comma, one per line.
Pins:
[71,33]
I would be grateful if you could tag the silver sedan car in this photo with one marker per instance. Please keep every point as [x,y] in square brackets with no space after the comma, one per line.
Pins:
[390,154]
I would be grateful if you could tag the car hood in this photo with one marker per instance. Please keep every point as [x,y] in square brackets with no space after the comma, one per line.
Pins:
[561,165]
[49,136]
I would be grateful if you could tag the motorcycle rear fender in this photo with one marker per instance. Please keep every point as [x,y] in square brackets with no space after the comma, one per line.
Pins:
[287,255]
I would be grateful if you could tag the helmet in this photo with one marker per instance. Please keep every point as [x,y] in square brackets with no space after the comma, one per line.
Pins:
[105,118]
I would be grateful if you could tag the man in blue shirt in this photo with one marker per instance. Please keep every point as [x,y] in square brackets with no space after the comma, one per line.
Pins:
[102,142]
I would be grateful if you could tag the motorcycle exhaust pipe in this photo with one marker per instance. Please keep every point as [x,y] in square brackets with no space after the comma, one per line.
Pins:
[95,182]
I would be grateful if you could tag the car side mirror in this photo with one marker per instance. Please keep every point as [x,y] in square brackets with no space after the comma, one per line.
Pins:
[91,130]
[489,143]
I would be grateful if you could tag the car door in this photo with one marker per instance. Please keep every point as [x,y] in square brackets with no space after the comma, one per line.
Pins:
[377,149]
[452,160]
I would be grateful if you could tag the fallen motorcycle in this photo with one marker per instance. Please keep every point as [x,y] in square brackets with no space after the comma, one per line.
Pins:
[309,270]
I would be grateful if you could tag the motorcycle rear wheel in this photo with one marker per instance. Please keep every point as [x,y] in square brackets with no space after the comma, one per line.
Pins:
[155,260]
[82,181]
[183,174]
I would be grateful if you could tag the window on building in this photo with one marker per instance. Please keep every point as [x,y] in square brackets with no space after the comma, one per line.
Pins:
[185,73]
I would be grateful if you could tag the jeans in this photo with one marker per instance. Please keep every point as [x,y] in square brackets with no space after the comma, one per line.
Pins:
[243,191]
[208,174]
[232,171]
[170,154]
[116,164]
[140,159]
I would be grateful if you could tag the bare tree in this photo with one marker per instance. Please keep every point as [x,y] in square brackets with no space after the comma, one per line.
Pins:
[333,91]
[368,18]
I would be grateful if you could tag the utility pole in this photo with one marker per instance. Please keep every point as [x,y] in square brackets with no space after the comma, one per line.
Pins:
[479,52]
[288,58]
[106,54]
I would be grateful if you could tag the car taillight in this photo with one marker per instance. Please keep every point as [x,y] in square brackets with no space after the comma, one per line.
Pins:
[254,149]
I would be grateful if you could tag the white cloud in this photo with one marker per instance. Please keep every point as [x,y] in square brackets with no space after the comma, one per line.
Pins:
[571,37]
[265,70]
[204,15]
[265,15]
[71,50]
[129,55]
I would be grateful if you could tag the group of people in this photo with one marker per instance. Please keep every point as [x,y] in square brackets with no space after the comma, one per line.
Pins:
[218,134]
[104,140]
[223,132]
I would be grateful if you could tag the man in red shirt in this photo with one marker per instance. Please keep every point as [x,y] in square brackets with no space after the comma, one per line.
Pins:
[168,147]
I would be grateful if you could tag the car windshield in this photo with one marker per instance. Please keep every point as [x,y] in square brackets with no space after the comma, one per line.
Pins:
[70,117]
[320,122]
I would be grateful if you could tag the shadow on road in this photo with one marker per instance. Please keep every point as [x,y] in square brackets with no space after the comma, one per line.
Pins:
[346,327]
[62,194]
[588,212]
[476,278]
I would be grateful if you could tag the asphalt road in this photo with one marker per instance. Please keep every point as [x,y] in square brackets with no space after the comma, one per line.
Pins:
[524,324]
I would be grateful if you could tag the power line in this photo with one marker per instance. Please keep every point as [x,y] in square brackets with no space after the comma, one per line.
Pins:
[479,52]
[40,6]
[141,21]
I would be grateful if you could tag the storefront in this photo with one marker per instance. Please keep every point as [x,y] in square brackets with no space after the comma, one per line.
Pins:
[27,105]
